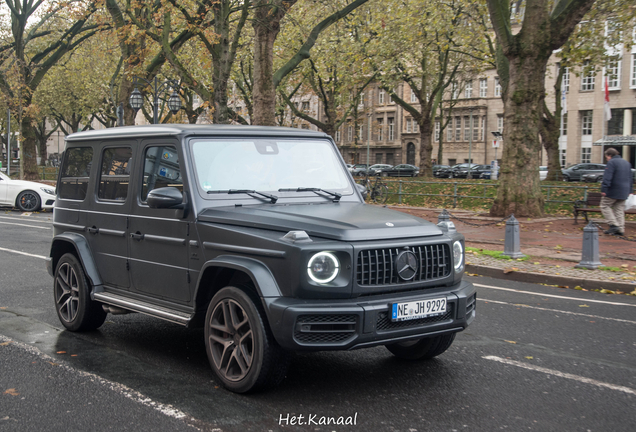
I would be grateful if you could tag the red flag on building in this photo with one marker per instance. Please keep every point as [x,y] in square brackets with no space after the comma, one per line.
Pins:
[608,111]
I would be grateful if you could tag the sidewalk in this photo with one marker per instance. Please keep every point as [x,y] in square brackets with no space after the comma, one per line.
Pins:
[553,246]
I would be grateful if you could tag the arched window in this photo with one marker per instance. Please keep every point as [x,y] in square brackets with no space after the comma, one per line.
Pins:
[410,153]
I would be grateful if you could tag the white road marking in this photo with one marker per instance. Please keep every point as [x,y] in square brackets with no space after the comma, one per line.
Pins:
[26,218]
[557,311]
[22,253]
[561,374]
[26,225]
[556,296]
[125,391]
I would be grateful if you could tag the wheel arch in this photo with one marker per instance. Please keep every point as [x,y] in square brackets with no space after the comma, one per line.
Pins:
[248,274]
[77,245]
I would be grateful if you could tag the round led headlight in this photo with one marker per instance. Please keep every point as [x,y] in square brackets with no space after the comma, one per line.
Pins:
[323,267]
[458,255]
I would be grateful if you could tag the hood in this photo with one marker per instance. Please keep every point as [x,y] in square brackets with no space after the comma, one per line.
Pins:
[337,221]
[25,184]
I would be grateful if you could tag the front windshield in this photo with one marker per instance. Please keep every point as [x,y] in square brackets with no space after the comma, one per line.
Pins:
[268,165]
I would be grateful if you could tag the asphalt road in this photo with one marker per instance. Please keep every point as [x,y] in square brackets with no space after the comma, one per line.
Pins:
[536,358]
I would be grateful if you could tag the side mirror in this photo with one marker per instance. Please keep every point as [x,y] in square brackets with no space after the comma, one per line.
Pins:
[166,197]
[363,190]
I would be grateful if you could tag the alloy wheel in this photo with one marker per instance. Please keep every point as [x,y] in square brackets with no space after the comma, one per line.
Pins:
[67,292]
[231,340]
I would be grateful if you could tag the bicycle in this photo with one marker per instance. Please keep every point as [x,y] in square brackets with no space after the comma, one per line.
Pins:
[378,191]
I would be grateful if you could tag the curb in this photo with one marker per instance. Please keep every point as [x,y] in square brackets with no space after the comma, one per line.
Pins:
[542,278]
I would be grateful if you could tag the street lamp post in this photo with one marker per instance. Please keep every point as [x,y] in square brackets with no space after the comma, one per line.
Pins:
[470,146]
[137,100]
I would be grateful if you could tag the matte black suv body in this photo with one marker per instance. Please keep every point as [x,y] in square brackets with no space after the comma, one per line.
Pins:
[166,221]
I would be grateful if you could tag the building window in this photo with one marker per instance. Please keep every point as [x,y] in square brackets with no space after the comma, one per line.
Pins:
[349,133]
[483,87]
[378,158]
[391,129]
[338,137]
[563,154]
[497,87]
[565,81]
[452,162]
[437,130]
[454,90]
[305,106]
[482,137]
[408,125]
[391,98]
[361,101]
[390,159]
[458,128]
[449,130]
[361,133]
[475,128]
[304,126]
[586,122]
[586,155]
[466,128]
[381,97]
[564,125]
[413,96]
[613,73]
[587,82]
[632,72]
[380,130]
[468,91]
[500,123]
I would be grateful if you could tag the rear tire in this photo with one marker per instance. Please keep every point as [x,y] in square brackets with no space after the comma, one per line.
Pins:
[75,308]
[422,349]
[241,349]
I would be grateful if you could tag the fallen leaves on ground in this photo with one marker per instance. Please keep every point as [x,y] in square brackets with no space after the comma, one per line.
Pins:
[12,392]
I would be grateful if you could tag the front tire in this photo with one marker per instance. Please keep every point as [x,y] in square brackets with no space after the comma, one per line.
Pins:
[28,201]
[240,347]
[75,308]
[422,349]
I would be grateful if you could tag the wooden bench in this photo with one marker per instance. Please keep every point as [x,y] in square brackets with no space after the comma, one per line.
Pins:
[591,205]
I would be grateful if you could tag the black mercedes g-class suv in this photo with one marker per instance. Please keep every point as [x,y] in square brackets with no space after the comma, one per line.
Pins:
[259,235]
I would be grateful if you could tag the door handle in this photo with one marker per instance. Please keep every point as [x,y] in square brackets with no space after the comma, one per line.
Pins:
[137,236]
[93,230]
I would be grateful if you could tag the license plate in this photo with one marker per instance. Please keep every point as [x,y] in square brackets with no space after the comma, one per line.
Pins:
[418,309]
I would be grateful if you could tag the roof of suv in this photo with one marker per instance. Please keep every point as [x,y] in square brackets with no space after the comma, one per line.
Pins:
[187,129]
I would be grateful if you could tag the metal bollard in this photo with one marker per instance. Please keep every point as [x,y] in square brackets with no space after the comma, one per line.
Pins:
[512,244]
[444,216]
[590,255]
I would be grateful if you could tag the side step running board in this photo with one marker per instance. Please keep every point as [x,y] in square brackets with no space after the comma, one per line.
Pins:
[166,314]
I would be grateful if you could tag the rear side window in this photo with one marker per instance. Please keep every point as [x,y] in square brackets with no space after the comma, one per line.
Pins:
[115,174]
[76,170]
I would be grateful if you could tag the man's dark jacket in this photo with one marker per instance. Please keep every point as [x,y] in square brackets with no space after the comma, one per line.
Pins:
[618,179]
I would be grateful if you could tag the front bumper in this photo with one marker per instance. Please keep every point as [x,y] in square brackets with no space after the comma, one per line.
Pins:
[312,325]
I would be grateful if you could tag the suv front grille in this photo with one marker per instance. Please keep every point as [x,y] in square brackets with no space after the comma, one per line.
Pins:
[384,323]
[377,266]
[325,329]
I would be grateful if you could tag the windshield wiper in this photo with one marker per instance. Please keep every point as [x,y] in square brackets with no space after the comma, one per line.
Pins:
[271,198]
[336,196]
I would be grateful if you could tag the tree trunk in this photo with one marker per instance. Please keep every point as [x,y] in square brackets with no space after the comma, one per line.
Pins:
[426,147]
[266,28]
[519,189]
[28,159]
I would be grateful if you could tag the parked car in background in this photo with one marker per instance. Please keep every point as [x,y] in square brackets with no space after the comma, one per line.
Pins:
[458,171]
[437,169]
[543,172]
[574,172]
[358,169]
[27,196]
[598,176]
[402,170]
[378,168]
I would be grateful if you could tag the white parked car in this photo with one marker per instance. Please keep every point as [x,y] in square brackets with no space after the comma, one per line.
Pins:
[27,196]
[543,172]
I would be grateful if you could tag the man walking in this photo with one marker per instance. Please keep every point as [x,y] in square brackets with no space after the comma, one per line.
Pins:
[616,187]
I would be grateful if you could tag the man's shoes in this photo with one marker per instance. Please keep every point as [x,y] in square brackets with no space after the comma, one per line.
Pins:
[614,230]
